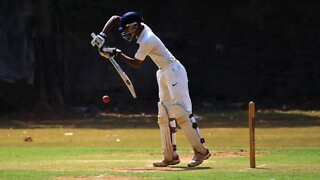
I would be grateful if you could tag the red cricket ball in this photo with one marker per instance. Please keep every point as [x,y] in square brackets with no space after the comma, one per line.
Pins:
[105,99]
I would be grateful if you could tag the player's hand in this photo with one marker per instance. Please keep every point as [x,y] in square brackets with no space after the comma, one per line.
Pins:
[108,52]
[99,40]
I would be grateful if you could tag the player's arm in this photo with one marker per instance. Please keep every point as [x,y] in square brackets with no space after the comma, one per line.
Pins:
[141,54]
[113,21]
[133,62]
[113,52]
[100,39]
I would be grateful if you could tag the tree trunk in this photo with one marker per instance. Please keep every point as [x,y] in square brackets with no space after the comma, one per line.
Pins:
[47,65]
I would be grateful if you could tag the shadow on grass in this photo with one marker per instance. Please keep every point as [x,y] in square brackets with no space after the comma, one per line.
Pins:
[183,168]
[169,168]
[214,119]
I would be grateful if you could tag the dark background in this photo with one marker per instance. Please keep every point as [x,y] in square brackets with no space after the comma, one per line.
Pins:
[234,51]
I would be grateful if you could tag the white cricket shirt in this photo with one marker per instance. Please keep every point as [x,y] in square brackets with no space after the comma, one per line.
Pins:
[151,45]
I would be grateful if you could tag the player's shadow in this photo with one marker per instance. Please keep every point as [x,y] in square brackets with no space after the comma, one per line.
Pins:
[184,168]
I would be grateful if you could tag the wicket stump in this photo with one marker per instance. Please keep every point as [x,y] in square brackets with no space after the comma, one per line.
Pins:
[251,134]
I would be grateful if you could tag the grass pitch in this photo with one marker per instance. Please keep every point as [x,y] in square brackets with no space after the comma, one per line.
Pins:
[124,147]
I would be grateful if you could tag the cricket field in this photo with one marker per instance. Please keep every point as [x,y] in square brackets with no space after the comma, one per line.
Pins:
[113,146]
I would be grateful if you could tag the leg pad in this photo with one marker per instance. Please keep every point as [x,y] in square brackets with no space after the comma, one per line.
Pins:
[191,134]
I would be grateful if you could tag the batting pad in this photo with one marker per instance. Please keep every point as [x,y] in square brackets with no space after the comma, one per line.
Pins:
[175,110]
[173,130]
[193,137]
[166,140]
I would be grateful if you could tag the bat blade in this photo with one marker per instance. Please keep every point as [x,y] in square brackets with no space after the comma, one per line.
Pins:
[124,77]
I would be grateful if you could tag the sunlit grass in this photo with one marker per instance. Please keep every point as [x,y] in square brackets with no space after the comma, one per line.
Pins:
[102,148]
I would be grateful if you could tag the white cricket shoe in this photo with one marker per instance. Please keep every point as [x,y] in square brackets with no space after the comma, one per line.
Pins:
[198,158]
[165,163]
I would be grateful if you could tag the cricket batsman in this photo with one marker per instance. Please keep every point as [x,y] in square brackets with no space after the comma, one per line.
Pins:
[174,101]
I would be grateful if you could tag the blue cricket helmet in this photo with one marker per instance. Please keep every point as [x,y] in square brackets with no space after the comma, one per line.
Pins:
[128,18]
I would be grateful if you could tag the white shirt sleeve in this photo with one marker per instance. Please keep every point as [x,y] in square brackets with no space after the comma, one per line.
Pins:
[143,51]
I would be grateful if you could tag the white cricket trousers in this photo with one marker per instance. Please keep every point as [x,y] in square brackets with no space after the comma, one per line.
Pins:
[173,85]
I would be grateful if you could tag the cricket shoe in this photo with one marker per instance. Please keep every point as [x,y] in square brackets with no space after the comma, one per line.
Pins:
[198,158]
[165,163]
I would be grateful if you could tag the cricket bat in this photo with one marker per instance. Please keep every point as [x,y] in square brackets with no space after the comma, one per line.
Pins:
[122,74]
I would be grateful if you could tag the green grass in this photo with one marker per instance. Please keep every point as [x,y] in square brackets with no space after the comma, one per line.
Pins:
[40,162]
[284,151]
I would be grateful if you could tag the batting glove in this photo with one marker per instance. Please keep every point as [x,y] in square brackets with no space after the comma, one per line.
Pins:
[99,40]
[109,52]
